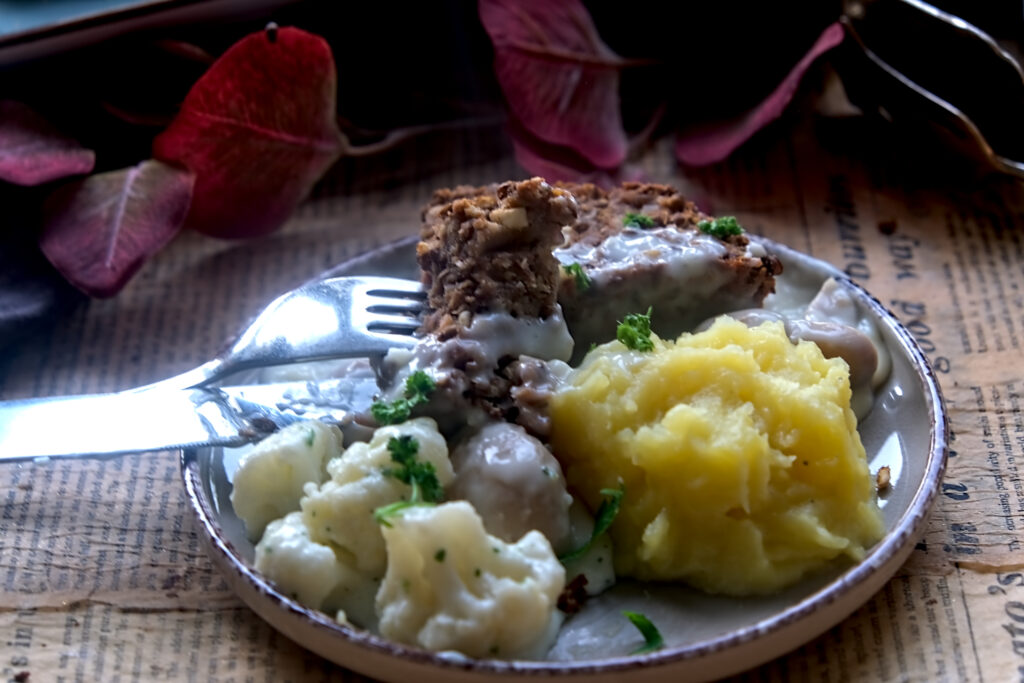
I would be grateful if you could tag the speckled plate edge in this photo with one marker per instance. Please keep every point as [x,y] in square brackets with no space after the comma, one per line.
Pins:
[704,660]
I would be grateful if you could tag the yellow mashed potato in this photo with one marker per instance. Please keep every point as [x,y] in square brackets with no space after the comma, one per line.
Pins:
[739,453]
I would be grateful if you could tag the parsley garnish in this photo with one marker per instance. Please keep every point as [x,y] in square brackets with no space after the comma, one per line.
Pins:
[652,637]
[721,227]
[418,387]
[416,473]
[420,475]
[637,220]
[606,513]
[635,331]
[581,278]
[385,512]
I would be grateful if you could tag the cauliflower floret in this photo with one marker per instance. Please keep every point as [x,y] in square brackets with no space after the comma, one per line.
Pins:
[313,573]
[301,568]
[452,586]
[270,477]
[340,511]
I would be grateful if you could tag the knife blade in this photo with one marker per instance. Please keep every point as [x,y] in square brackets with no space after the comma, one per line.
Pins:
[160,417]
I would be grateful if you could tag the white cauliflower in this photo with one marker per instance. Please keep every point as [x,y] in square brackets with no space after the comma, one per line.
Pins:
[340,511]
[312,573]
[270,478]
[452,586]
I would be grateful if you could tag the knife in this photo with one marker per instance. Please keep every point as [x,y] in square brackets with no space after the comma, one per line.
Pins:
[161,417]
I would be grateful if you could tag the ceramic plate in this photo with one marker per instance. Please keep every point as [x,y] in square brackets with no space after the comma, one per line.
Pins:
[706,636]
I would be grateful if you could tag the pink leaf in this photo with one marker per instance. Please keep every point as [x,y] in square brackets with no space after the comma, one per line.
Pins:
[99,231]
[33,152]
[560,80]
[709,144]
[258,130]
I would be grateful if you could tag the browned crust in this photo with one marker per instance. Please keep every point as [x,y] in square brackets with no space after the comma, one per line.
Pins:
[492,251]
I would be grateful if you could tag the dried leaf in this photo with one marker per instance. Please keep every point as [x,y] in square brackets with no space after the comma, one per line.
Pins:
[99,231]
[33,152]
[709,144]
[258,130]
[560,80]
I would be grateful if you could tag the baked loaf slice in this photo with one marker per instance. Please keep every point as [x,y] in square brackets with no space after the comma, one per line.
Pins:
[640,246]
[492,251]
[664,262]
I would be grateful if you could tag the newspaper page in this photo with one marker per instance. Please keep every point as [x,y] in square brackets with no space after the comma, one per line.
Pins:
[103,575]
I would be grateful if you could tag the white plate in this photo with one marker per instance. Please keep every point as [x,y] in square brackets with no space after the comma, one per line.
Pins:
[706,636]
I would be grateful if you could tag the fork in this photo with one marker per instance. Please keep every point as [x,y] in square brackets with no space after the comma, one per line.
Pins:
[346,317]
[342,317]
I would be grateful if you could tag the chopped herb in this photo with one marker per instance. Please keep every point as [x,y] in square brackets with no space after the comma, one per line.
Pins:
[385,512]
[637,220]
[635,331]
[606,513]
[581,278]
[495,549]
[439,555]
[593,345]
[652,637]
[310,436]
[418,387]
[476,572]
[420,475]
[721,228]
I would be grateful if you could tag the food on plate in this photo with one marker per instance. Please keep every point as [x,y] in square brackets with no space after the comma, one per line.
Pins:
[514,482]
[738,452]
[450,585]
[641,245]
[493,254]
[337,518]
[272,475]
[502,488]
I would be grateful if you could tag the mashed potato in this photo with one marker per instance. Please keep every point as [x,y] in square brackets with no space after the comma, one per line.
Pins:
[739,453]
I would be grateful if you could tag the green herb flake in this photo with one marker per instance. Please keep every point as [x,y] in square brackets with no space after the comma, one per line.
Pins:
[439,555]
[421,476]
[310,436]
[606,514]
[723,227]
[637,220]
[582,280]
[476,572]
[635,331]
[384,513]
[418,387]
[652,636]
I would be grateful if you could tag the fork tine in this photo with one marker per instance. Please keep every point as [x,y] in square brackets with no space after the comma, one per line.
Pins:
[393,287]
[397,323]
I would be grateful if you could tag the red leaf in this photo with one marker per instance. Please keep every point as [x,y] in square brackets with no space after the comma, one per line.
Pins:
[99,231]
[711,143]
[258,130]
[560,80]
[33,152]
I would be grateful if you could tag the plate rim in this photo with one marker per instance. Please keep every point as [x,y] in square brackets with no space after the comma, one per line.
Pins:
[867,576]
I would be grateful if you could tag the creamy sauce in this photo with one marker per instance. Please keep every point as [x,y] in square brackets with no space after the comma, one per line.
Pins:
[683,275]
[514,483]
[684,254]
